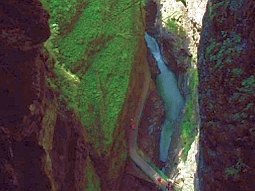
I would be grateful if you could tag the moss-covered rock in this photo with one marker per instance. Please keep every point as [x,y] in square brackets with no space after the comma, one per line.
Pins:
[226,88]
[95,50]
[63,116]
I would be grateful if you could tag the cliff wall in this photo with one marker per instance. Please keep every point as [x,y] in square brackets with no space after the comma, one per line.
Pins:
[226,94]
[69,82]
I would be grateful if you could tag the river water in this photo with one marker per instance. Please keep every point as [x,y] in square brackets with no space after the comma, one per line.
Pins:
[170,93]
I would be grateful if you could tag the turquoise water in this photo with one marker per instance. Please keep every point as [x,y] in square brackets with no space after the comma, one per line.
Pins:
[170,93]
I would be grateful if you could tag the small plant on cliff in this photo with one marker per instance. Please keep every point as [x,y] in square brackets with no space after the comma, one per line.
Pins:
[175,24]
[183,2]
[223,52]
[236,169]
[172,26]
[248,85]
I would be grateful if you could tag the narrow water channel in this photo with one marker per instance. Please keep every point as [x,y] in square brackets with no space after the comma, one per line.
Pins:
[171,95]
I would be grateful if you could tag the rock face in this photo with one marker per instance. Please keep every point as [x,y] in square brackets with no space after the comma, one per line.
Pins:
[44,146]
[173,46]
[226,96]
[22,30]
[150,126]
[20,37]
[152,13]
[152,117]
[42,143]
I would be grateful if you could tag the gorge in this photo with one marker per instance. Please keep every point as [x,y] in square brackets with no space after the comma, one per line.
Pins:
[74,73]
[174,103]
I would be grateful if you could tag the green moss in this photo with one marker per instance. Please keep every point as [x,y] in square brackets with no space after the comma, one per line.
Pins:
[118,162]
[237,71]
[183,2]
[248,85]
[94,61]
[77,42]
[223,53]
[64,12]
[233,171]
[91,179]
[210,50]
[189,121]
[214,8]
[174,24]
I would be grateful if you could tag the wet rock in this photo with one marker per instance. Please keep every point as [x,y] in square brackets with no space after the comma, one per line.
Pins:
[152,14]
[153,66]
[149,131]
[176,56]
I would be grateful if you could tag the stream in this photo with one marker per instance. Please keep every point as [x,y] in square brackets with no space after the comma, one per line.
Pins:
[171,95]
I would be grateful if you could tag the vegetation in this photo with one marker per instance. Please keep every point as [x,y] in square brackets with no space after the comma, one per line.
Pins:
[93,181]
[236,169]
[93,61]
[118,161]
[237,71]
[183,2]
[231,171]
[151,164]
[223,52]
[93,44]
[188,127]
[189,121]
[214,7]
[102,90]
[175,22]
[248,85]
[64,12]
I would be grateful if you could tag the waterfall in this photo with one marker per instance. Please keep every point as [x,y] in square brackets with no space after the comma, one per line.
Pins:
[170,93]
[154,48]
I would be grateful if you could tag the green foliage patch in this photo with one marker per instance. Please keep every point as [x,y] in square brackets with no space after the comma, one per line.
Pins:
[248,85]
[237,71]
[231,171]
[66,83]
[214,8]
[64,12]
[93,181]
[234,170]
[183,2]
[94,60]
[103,87]
[175,24]
[189,121]
[222,53]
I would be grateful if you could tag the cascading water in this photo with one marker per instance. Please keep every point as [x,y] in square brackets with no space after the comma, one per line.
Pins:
[174,102]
